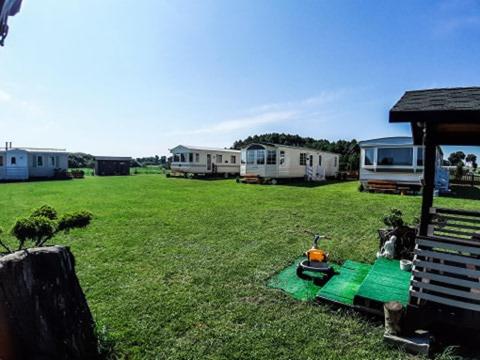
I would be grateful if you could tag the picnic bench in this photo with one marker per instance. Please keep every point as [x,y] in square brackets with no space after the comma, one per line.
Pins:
[387,186]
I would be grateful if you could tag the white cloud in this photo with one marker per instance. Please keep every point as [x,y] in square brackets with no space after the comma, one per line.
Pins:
[455,16]
[248,122]
[268,114]
[5,96]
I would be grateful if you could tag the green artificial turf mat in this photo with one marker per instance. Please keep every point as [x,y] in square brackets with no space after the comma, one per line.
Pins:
[386,282]
[288,281]
[343,287]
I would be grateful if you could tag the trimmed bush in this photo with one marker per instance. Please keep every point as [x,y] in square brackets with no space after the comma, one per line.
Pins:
[46,211]
[73,220]
[42,225]
[37,229]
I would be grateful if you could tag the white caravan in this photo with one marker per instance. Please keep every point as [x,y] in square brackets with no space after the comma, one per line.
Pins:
[30,163]
[273,161]
[397,160]
[198,160]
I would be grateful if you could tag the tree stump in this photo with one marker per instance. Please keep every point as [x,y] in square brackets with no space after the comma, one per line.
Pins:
[393,317]
[43,311]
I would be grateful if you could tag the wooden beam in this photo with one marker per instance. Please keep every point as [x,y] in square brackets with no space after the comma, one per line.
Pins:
[428,178]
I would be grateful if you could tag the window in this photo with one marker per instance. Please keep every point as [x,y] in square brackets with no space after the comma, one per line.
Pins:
[182,157]
[219,159]
[319,160]
[395,156]
[39,160]
[303,159]
[260,157]
[197,157]
[310,160]
[51,161]
[271,157]
[57,161]
[282,157]
[369,153]
[1,160]
[251,156]
[233,159]
[13,160]
[176,157]
[190,157]
[419,156]
[335,161]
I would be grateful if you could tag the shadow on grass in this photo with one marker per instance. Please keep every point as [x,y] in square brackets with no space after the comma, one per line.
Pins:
[202,178]
[464,192]
[313,184]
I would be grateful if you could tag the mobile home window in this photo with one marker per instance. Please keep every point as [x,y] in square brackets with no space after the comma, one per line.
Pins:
[57,161]
[190,157]
[250,156]
[182,157]
[233,159]
[282,157]
[271,157]
[420,156]
[51,161]
[335,160]
[319,160]
[303,159]
[1,160]
[219,159]
[13,160]
[395,156]
[176,157]
[39,160]
[260,157]
[369,153]
[197,157]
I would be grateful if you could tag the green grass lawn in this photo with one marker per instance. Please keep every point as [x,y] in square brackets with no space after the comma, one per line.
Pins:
[176,268]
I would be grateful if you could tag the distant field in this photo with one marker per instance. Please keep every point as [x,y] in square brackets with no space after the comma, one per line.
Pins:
[176,268]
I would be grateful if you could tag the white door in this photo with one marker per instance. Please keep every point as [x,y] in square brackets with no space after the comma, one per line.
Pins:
[209,162]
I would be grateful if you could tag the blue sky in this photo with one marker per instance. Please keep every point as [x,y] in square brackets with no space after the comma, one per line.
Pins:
[136,77]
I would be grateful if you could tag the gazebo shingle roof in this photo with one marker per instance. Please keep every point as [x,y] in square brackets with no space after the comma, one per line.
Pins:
[453,99]
[453,114]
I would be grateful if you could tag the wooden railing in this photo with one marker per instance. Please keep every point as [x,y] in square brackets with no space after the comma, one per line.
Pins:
[446,266]
[466,179]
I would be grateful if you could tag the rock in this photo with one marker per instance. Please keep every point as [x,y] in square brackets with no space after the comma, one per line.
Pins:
[419,343]
[43,311]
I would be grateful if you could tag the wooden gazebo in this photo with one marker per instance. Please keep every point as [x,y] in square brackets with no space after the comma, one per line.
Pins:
[445,284]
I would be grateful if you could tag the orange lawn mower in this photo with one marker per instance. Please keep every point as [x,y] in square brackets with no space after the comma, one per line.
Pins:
[316,262]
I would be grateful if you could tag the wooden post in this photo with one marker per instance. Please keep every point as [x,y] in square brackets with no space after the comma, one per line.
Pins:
[428,178]
[393,317]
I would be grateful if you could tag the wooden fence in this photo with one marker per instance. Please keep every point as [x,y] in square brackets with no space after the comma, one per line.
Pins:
[466,179]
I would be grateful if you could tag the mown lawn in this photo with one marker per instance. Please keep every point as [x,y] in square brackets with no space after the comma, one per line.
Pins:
[176,268]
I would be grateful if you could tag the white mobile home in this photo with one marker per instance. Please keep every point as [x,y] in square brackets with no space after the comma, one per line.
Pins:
[198,160]
[273,161]
[30,163]
[397,160]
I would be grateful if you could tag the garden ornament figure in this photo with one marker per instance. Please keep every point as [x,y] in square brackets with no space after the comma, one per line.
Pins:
[388,249]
